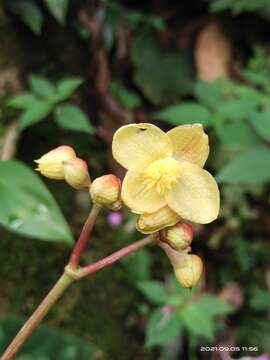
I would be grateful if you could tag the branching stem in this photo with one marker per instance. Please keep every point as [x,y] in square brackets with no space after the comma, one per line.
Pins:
[71,274]
[109,260]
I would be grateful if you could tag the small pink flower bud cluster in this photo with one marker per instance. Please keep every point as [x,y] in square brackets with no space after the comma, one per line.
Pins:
[188,268]
[62,163]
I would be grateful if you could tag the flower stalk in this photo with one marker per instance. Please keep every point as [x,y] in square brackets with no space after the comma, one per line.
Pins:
[32,323]
[84,237]
[70,275]
[109,260]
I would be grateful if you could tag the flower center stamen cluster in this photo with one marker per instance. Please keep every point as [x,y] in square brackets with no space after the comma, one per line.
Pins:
[162,174]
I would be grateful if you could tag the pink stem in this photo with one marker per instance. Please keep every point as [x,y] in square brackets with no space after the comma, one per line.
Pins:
[63,284]
[36,318]
[84,237]
[109,260]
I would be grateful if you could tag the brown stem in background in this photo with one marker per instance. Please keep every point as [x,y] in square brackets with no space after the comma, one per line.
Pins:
[101,68]
[9,141]
[111,115]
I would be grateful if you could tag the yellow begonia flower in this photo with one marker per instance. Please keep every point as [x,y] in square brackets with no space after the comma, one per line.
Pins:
[166,169]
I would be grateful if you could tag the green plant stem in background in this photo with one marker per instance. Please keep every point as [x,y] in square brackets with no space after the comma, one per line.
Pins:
[84,237]
[36,318]
[62,284]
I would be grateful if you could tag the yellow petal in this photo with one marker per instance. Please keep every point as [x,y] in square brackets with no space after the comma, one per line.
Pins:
[148,223]
[51,164]
[136,146]
[195,197]
[138,196]
[190,143]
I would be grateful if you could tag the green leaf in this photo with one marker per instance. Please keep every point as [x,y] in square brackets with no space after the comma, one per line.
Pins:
[237,134]
[250,166]
[128,99]
[260,121]
[66,87]
[38,111]
[209,94]
[197,321]
[137,266]
[237,109]
[27,207]
[117,15]
[242,252]
[162,76]
[239,6]
[213,305]
[58,8]
[72,118]
[260,299]
[154,290]
[185,113]
[257,78]
[29,12]
[42,86]
[22,101]
[47,343]
[162,328]
[199,317]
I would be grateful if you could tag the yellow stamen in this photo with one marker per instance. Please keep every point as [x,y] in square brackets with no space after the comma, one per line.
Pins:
[162,174]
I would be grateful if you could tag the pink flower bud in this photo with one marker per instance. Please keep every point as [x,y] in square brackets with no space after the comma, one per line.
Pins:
[178,236]
[51,164]
[189,271]
[149,223]
[76,173]
[105,191]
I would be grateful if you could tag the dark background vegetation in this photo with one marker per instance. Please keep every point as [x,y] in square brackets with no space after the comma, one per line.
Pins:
[72,72]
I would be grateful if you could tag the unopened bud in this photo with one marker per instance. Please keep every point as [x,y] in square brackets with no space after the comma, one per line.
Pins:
[148,223]
[105,191]
[189,271]
[76,173]
[179,236]
[51,164]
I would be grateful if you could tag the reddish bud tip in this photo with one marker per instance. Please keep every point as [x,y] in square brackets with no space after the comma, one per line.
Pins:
[179,236]
[105,191]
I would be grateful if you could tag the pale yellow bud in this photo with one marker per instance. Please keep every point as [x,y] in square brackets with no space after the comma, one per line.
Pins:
[148,223]
[51,164]
[76,173]
[105,191]
[178,236]
[189,270]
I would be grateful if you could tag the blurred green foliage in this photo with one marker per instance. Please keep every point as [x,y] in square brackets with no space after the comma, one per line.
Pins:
[239,6]
[149,50]
[27,207]
[57,344]
[44,98]
[182,311]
